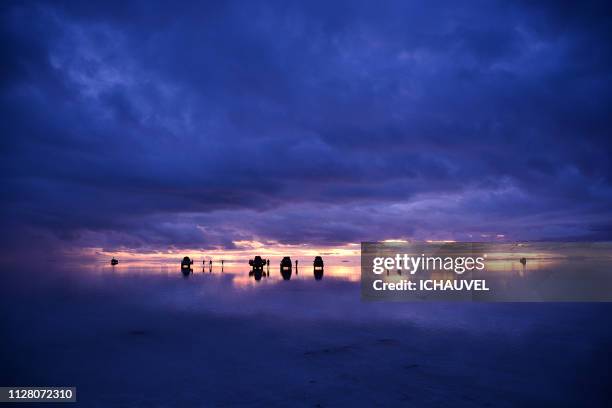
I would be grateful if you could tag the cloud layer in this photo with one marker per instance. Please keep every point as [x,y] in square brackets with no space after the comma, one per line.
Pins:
[149,125]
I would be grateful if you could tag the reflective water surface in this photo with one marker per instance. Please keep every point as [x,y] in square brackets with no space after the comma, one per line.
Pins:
[147,335]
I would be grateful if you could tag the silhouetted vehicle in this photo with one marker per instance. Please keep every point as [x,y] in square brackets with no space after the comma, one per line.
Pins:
[523,261]
[186,263]
[318,267]
[114,261]
[285,268]
[257,265]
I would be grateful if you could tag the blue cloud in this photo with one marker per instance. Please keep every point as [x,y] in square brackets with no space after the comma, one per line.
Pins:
[138,123]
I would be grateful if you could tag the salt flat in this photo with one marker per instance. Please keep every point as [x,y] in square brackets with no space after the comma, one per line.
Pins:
[148,337]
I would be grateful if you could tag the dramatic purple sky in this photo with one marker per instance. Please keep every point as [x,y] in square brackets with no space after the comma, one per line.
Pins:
[145,126]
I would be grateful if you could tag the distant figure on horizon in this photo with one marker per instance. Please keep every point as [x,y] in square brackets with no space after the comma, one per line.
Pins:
[523,261]
[268,265]
[114,261]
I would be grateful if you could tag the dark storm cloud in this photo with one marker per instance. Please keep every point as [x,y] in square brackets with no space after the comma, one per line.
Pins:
[148,125]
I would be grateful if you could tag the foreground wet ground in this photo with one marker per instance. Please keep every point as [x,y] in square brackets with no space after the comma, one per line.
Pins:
[149,337]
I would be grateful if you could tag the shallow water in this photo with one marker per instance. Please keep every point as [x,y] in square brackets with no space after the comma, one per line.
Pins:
[145,335]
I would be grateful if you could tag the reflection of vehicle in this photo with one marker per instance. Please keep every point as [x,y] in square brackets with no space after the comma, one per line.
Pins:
[114,261]
[318,268]
[186,263]
[285,268]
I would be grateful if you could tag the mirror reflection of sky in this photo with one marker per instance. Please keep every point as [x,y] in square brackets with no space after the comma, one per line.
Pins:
[233,293]
[146,333]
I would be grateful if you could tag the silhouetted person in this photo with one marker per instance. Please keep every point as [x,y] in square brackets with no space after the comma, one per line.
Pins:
[523,261]
[296,268]
[222,261]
